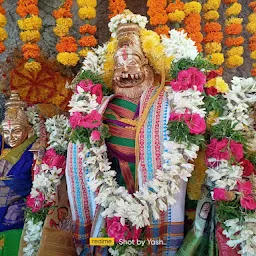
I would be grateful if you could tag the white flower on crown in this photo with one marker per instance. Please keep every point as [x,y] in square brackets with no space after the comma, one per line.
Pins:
[126,17]
[179,46]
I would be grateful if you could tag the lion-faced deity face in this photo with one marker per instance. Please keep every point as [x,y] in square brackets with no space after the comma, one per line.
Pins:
[131,75]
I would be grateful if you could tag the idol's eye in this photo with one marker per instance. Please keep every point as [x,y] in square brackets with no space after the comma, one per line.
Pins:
[132,62]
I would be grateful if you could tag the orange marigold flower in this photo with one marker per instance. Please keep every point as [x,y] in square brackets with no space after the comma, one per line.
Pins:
[88,41]
[67,44]
[2,10]
[252,46]
[23,10]
[196,37]
[87,28]
[212,27]
[253,72]
[233,29]
[252,5]
[234,41]
[2,47]
[62,13]
[192,28]
[1,1]
[162,30]
[193,18]
[159,19]
[30,51]
[28,2]
[229,1]
[175,6]
[199,47]
[219,71]
[115,7]
[252,39]
[213,37]
[68,4]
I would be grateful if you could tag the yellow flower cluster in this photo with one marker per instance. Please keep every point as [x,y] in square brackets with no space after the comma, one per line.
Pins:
[253,55]
[154,51]
[211,5]
[83,3]
[234,9]
[218,83]
[3,33]
[31,23]
[87,12]
[238,50]
[211,15]
[62,26]
[32,36]
[68,58]
[32,66]
[234,61]
[83,52]
[109,62]
[216,58]
[212,47]
[251,26]
[233,20]
[192,7]
[176,16]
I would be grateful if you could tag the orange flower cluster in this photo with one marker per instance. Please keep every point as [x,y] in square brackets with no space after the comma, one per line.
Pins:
[192,23]
[116,7]
[158,15]
[64,11]
[162,30]
[3,33]
[30,24]
[87,12]
[251,28]
[233,30]
[176,13]
[67,45]
[25,8]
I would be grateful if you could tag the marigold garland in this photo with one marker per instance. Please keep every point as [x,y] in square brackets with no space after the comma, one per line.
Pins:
[158,15]
[192,22]
[116,7]
[233,29]
[175,12]
[30,24]
[67,46]
[87,12]
[251,28]
[3,33]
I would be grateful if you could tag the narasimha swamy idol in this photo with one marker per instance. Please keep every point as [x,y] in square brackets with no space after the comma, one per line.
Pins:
[126,175]
[15,173]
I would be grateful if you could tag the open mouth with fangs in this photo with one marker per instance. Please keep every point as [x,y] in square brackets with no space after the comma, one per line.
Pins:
[128,80]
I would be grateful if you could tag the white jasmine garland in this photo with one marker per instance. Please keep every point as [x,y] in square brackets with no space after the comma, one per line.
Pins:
[179,46]
[34,119]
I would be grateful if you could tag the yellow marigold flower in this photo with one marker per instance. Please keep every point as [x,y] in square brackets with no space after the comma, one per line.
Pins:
[3,34]
[233,21]
[212,47]
[234,9]
[3,20]
[84,3]
[216,58]
[32,66]
[210,83]
[30,36]
[64,22]
[238,50]
[234,61]
[211,119]
[61,31]
[192,7]
[177,16]
[254,65]
[111,47]
[211,5]
[253,55]
[168,62]
[211,15]
[31,23]
[84,52]
[87,13]
[68,58]
[221,85]
[252,17]
[251,27]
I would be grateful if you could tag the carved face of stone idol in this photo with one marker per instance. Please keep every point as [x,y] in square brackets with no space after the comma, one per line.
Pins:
[131,75]
[14,134]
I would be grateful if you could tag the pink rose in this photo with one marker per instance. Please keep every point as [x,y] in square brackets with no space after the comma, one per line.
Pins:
[237,150]
[247,200]
[37,203]
[136,232]
[86,85]
[51,158]
[116,230]
[97,90]
[248,167]
[218,149]
[91,120]
[220,194]
[196,124]
[95,135]
[75,119]
[188,79]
